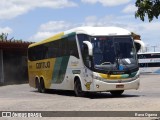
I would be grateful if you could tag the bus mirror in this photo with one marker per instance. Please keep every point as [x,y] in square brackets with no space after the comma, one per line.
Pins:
[90,47]
[139,45]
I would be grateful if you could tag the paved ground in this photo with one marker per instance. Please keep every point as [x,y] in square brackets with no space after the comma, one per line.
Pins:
[24,98]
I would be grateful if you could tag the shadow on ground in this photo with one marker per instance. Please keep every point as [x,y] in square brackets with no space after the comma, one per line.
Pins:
[91,95]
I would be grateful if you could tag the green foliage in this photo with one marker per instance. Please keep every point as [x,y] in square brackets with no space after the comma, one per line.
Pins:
[151,8]
[4,37]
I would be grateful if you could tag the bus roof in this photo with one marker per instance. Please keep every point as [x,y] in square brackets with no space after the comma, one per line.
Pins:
[92,31]
[99,31]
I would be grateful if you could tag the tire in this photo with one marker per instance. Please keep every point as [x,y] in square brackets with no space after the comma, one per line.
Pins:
[38,85]
[42,86]
[78,89]
[117,92]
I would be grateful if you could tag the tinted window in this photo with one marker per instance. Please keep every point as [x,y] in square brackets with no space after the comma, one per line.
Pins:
[72,45]
[58,48]
[37,53]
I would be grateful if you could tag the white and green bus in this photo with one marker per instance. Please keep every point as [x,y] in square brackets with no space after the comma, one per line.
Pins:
[85,59]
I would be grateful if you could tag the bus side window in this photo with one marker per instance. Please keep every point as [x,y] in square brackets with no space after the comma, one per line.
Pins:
[31,54]
[49,50]
[64,47]
[44,51]
[67,47]
[73,50]
[38,53]
[53,49]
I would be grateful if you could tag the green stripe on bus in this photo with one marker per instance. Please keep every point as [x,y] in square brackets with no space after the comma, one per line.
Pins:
[56,70]
[63,68]
[124,75]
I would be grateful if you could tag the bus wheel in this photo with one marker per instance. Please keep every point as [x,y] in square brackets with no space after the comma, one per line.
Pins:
[117,92]
[38,85]
[78,89]
[42,86]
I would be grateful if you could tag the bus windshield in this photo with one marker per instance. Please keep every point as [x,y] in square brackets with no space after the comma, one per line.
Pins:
[113,52]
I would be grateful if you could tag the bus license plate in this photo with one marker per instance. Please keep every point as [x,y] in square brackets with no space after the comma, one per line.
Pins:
[119,86]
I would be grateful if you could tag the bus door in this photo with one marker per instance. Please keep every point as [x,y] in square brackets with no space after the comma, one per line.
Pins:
[87,68]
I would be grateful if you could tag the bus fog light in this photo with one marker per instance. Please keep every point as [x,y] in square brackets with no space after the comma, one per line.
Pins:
[97,86]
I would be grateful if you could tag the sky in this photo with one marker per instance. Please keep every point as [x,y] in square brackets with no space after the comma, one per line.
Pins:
[35,20]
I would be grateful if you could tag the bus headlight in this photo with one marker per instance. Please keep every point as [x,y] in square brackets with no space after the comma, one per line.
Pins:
[136,77]
[96,77]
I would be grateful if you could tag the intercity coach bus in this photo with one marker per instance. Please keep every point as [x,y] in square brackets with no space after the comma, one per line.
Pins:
[85,59]
[149,62]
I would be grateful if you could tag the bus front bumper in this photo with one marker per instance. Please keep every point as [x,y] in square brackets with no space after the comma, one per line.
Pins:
[105,86]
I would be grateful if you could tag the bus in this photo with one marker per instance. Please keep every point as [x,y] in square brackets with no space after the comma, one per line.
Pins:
[85,59]
[149,62]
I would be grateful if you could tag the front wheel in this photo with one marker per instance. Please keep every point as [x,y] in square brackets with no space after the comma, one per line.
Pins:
[117,92]
[78,89]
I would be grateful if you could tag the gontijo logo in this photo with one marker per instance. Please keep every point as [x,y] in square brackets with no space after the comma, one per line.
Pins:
[41,65]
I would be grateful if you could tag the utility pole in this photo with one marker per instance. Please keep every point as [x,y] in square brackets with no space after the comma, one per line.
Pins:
[154,47]
[147,49]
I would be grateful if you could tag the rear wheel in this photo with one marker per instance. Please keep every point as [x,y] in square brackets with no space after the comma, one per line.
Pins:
[117,92]
[40,85]
[78,89]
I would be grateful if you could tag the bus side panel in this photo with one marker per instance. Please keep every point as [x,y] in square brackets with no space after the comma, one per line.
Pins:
[56,70]
[41,68]
[31,76]
[60,68]
[67,74]
[63,77]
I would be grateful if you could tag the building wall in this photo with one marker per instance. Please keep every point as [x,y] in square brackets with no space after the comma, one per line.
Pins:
[15,68]
[13,62]
[1,68]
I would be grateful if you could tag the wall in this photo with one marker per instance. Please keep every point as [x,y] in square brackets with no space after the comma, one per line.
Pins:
[15,68]
[1,68]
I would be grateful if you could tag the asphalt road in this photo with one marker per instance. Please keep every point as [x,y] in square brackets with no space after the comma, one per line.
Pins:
[24,98]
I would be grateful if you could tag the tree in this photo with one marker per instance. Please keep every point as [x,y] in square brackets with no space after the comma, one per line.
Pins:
[151,8]
[4,37]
